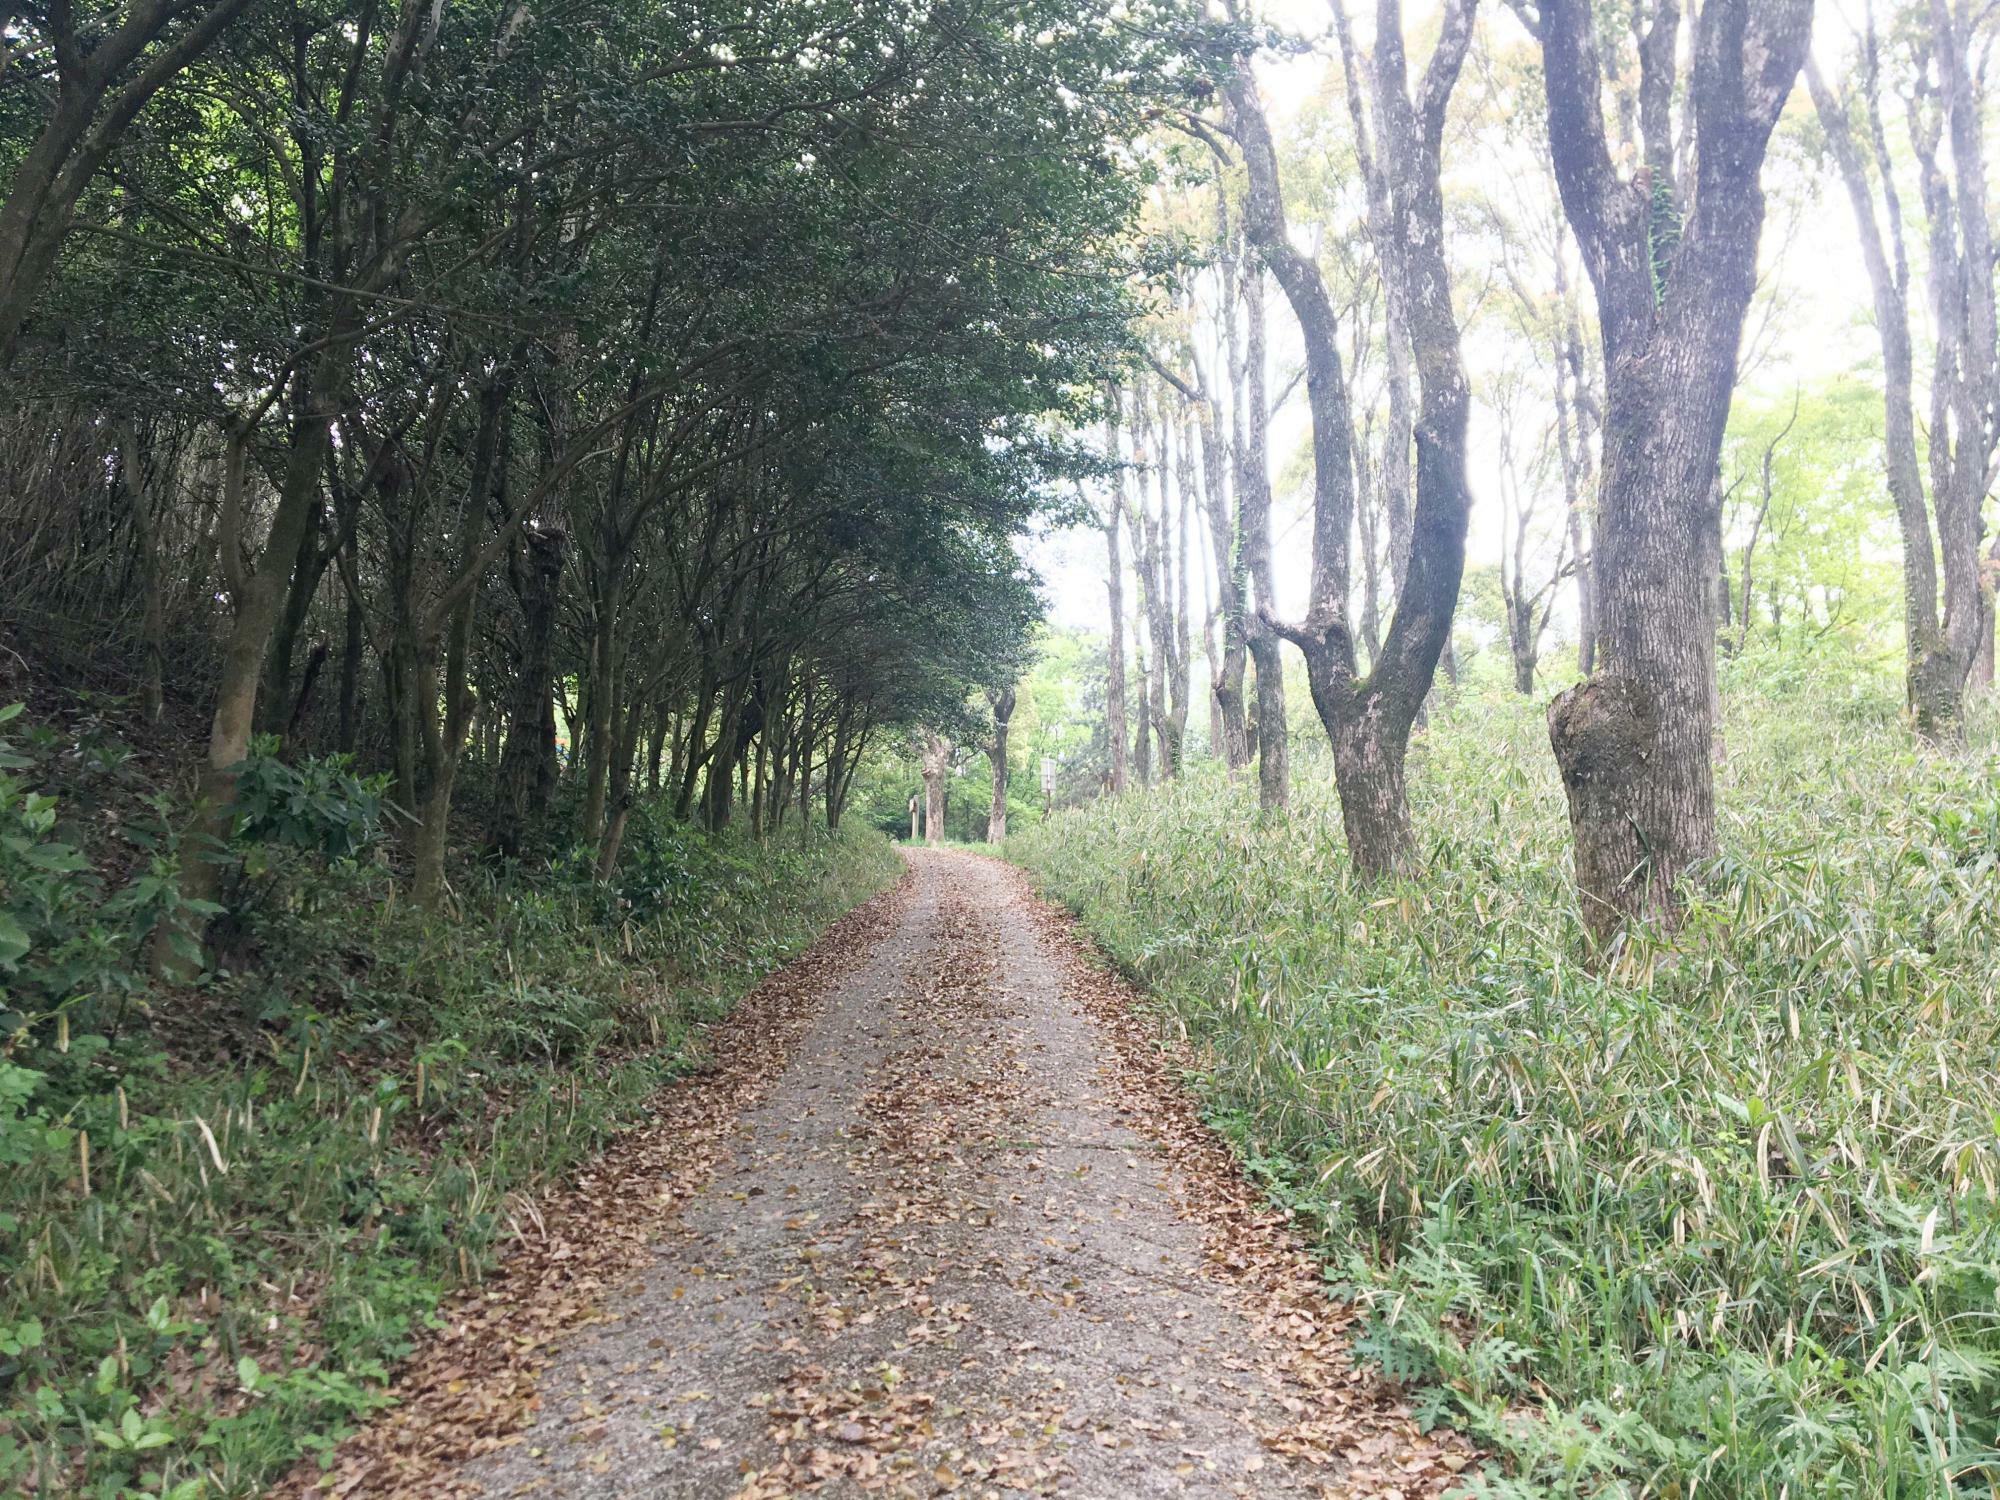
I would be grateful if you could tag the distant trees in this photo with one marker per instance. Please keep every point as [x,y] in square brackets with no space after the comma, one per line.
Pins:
[640,402]
[1941,524]
[1534,557]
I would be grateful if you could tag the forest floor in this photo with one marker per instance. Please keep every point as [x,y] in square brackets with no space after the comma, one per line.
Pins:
[940,1217]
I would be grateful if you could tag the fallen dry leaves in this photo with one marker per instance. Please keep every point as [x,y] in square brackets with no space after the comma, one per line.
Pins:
[1340,1413]
[1007,1257]
[471,1385]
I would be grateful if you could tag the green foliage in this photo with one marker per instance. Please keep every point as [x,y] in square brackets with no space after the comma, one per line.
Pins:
[66,947]
[319,806]
[1718,1217]
[216,1238]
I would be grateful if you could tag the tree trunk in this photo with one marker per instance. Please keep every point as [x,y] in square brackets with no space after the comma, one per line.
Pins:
[1274,781]
[1115,725]
[257,595]
[1368,721]
[1003,713]
[605,663]
[936,764]
[1634,741]
[447,709]
[1927,669]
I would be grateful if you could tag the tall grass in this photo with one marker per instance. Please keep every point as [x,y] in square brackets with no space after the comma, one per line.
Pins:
[1717,1218]
[219,1229]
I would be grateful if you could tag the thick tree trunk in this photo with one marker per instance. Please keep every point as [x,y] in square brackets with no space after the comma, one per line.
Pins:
[936,764]
[1634,741]
[1003,714]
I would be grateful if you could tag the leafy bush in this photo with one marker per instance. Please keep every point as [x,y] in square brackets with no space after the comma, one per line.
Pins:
[1717,1218]
[208,1265]
[319,806]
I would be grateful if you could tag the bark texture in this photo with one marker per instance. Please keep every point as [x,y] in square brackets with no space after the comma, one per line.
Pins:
[936,766]
[1368,719]
[1674,271]
[1002,703]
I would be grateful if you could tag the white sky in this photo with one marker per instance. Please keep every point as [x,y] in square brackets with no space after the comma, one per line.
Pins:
[1809,323]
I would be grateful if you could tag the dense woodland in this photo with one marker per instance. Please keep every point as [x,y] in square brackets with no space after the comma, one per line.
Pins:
[1461,542]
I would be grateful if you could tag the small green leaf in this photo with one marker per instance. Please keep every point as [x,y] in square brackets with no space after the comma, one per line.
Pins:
[14,943]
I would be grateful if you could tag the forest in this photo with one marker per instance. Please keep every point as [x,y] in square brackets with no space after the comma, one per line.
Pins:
[1178,746]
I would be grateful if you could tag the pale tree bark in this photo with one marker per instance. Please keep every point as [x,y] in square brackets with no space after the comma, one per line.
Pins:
[1674,275]
[1226,689]
[1115,729]
[1253,488]
[1932,671]
[1575,413]
[1155,531]
[936,766]
[1393,475]
[1002,703]
[1174,526]
[1368,720]
[1965,380]
[1147,649]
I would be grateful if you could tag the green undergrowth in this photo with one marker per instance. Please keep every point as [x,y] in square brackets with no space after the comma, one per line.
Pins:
[1715,1219]
[227,1210]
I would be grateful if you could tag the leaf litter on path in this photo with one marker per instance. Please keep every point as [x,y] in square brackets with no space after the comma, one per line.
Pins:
[942,1220]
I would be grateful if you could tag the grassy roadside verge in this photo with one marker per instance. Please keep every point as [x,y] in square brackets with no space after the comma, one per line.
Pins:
[225,1211]
[1719,1220]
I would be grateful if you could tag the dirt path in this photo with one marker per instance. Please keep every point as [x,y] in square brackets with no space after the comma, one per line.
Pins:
[973,1238]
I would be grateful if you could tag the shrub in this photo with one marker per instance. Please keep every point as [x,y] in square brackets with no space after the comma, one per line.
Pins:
[1717,1217]
[208,1264]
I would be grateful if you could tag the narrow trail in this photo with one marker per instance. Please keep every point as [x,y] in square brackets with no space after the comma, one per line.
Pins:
[971,1237]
